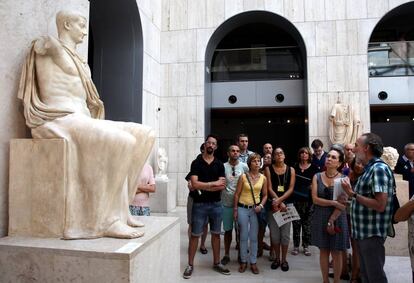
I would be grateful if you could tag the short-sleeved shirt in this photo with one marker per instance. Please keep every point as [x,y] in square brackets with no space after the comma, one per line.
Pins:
[367,222]
[227,195]
[206,173]
[244,156]
[146,178]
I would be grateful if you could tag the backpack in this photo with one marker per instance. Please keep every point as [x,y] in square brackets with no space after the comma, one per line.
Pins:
[395,204]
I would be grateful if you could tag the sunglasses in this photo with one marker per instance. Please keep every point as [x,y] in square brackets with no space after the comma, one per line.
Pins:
[233,173]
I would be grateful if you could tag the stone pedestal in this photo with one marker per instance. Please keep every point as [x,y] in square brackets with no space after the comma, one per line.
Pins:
[165,197]
[398,246]
[152,258]
[37,187]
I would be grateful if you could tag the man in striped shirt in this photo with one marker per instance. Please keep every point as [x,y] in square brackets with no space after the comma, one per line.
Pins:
[371,207]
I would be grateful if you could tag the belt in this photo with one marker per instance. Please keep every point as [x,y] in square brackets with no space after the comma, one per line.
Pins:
[245,205]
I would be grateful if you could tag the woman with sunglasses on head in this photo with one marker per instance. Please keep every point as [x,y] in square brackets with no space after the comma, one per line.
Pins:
[329,228]
[247,204]
[281,180]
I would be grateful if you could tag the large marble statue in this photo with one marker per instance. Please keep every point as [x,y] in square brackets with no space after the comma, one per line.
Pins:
[344,124]
[104,157]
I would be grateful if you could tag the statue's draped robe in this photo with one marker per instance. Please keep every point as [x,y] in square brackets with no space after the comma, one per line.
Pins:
[344,124]
[104,157]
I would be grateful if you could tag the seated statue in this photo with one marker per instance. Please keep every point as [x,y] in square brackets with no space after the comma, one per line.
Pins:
[104,157]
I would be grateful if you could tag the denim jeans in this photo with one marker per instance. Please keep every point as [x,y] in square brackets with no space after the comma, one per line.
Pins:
[203,212]
[248,226]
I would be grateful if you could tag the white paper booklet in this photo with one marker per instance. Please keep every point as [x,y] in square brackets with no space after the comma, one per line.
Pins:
[285,217]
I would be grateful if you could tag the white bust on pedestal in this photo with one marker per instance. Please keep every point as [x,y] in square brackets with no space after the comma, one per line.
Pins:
[162,162]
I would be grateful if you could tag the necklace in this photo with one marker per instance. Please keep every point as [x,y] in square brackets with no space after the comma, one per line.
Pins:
[330,177]
[254,177]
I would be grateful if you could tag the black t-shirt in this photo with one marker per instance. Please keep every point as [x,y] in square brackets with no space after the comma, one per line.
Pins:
[302,191]
[206,173]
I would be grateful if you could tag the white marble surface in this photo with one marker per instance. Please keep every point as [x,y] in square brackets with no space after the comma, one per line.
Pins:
[356,9]
[165,197]
[376,8]
[232,7]
[335,10]
[346,37]
[317,76]
[100,260]
[325,33]
[294,10]
[314,10]
[34,165]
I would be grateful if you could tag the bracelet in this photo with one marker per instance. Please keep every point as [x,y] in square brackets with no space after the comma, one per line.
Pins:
[261,205]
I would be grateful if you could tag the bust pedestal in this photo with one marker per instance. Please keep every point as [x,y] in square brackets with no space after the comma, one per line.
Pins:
[165,197]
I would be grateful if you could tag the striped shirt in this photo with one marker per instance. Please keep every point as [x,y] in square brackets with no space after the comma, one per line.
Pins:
[367,222]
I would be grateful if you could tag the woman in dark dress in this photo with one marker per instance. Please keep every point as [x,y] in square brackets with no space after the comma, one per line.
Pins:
[330,235]
[302,201]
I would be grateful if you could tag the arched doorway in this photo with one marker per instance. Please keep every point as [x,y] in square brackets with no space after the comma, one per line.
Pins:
[391,76]
[116,57]
[256,82]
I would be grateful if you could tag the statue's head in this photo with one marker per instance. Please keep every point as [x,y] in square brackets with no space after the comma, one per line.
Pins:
[71,25]
[390,156]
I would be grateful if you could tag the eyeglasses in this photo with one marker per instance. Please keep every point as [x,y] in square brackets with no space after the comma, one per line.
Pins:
[233,173]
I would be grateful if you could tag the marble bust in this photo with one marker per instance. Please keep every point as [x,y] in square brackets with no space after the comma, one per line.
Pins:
[162,162]
[344,124]
[390,156]
[105,157]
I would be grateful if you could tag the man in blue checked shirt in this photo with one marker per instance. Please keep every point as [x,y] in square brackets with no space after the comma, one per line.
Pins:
[371,207]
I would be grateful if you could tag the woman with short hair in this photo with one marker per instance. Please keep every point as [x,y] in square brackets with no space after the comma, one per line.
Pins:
[247,204]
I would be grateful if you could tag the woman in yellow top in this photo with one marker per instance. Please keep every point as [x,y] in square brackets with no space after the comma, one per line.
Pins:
[246,207]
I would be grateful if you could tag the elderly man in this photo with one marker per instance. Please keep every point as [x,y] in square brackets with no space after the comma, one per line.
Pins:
[371,207]
[105,157]
[405,166]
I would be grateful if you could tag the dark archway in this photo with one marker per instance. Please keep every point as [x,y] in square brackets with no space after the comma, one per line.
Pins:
[391,76]
[269,55]
[116,57]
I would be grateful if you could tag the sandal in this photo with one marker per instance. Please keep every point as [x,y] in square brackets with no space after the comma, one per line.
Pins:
[284,266]
[203,250]
[307,252]
[295,251]
[275,264]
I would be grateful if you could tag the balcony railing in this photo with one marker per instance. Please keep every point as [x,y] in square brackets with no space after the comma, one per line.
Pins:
[262,63]
[390,59]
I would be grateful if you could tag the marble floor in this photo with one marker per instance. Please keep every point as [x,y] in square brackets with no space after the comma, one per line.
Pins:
[303,269]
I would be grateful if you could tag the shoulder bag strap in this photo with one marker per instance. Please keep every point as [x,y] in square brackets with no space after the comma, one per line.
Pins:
[251,188]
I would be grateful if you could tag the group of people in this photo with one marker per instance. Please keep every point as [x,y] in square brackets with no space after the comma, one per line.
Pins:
[343,196]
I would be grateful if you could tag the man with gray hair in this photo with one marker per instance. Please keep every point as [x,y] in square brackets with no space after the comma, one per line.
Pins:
[405,166]
[371,207]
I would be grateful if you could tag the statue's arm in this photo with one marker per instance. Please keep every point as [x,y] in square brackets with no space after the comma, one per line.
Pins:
[49,46]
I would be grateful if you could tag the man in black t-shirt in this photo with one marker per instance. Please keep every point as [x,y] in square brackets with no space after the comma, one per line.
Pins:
[207,180]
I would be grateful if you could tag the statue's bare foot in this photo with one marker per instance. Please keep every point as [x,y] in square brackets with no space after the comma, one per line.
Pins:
[134,222]
[123,231]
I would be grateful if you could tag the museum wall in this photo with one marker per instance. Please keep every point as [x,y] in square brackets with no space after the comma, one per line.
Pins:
[22,21]
[336,35]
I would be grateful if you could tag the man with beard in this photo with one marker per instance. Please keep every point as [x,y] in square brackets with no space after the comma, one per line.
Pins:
[371,207]
[208,178]
[405,166]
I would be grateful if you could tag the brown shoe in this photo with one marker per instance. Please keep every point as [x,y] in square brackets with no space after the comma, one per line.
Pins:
[254,268]
[242,267]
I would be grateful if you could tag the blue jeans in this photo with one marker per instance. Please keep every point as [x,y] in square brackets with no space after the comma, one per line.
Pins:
[248,226]
[203,212]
